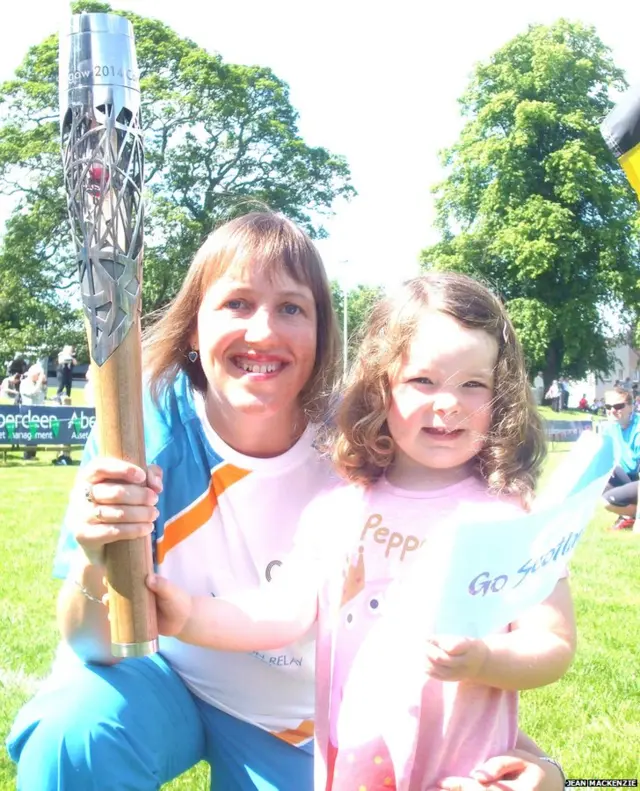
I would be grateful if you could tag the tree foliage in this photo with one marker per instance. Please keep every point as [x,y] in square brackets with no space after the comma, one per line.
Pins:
[360,302]
[535,204]
[220,139]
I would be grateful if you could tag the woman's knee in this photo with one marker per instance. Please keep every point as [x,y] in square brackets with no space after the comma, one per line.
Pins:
[67,746]
[107,728]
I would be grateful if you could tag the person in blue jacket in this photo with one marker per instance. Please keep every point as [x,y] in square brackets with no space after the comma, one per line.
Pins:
[621,493]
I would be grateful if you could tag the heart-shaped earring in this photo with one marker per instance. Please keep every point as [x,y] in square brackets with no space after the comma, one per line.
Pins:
[193,355]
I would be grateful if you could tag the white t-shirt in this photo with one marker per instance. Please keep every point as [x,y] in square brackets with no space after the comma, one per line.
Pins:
[227,523]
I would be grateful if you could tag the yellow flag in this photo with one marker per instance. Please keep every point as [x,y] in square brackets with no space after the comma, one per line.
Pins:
[621,131]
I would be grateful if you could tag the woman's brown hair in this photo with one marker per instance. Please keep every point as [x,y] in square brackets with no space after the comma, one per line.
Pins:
[515,447]
[262,239]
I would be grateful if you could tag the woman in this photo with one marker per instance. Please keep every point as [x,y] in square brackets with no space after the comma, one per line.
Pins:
[33,391]
[10,388]
[621,492]
[33,388]
[238,371]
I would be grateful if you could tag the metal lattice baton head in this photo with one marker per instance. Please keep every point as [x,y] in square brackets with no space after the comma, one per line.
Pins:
[103,160]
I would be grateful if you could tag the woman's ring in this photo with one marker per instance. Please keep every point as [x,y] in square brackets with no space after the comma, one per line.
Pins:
[88,492]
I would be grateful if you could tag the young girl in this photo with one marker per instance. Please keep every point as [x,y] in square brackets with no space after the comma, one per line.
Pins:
[437,425]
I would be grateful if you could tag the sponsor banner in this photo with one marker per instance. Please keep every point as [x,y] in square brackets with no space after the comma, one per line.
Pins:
[566,430]
[63,425]
[45,425]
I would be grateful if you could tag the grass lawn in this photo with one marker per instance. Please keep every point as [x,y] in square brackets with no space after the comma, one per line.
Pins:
[77,394]
[590,719]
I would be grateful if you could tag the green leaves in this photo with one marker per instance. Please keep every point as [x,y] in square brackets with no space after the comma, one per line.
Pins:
[360,302]
[220,139]
[534,203]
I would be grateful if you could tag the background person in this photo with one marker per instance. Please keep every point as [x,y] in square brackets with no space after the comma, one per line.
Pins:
[33,391]
[563,386]
[64,372]
[33,387]
[538,387]
[18,365]
[10,388]
[554,394]
[238,371]
[621,493]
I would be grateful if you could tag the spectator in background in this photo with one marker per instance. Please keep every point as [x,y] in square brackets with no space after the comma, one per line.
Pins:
[538,388]
[10,388]
[583,404]
[564,393]
[621,492]
[553,394]
[33,391]
[64,372]
[33,387]
[18,365]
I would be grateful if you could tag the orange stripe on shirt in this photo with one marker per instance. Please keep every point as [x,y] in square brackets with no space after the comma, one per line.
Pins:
[303,733]
[199,512]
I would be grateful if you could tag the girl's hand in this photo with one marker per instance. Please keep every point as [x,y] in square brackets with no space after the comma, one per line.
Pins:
[455,658]
[517,770]
[173,605]
[114,500]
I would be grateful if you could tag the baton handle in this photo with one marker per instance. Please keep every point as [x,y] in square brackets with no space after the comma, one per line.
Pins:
[117,385]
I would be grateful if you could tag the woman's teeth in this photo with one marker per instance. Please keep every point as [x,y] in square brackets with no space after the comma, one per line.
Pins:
[258,368]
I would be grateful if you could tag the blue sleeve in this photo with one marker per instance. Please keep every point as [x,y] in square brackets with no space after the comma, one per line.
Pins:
[627,461]
[634,451]
[620,447]
[67,544]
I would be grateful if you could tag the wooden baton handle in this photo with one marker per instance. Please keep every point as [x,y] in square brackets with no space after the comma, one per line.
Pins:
[117,386]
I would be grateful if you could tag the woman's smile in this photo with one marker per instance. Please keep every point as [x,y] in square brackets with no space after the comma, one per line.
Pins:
[256,336]
[259,366]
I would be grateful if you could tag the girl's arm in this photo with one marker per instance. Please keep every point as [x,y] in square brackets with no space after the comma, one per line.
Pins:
[537,651]
[264,618]
[273,615]
[261,619]
[539,648]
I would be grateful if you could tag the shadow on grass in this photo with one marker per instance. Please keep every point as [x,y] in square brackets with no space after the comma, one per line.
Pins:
[45,458]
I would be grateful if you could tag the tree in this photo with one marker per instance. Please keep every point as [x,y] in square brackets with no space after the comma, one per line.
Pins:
[360,301]
[536,205]
[220,139]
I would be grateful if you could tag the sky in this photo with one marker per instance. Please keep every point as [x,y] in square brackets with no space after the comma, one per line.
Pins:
[377,83]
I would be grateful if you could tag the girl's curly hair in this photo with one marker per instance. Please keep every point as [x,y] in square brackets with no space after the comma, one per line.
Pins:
[361,446]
